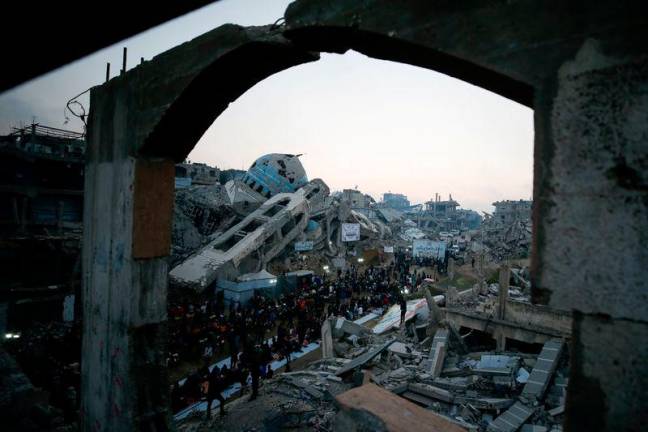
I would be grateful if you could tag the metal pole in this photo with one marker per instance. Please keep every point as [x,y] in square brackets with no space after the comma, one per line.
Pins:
[107,72]
[124,61]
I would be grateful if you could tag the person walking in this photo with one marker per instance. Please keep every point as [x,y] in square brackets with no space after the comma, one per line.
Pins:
[214,391]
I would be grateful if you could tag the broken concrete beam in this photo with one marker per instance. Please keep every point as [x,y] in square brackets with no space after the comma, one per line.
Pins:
[437,360]
[491,404]
[431,391]
[557,411]
[344,326]
[454,383]
[418,398]
[543,370]
[309,389]
[403,350]
[437,354]
[456,340]
[327,340]
[436,314]
[364,358]
[398,414]
[511,419]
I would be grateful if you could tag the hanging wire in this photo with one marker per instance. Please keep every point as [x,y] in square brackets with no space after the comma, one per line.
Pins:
[82,115]
[279,23]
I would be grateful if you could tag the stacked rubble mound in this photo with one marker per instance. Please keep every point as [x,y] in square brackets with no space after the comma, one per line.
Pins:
[199,211]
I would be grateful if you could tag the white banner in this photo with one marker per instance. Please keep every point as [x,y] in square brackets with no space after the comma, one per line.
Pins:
[303,246]
[350,232]
[389,249]
[429,248]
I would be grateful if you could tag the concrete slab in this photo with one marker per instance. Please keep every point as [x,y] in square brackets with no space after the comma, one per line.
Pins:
[398,414]
[437,352]
[512,418]
[364,358]
[543,370]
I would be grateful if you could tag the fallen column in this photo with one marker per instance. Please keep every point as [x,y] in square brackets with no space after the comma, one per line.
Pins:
[437,352]
[543,370]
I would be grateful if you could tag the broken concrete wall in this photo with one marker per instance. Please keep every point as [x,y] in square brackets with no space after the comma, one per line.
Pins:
[592,212]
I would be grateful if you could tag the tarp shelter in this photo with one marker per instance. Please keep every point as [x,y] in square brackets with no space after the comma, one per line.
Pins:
[243,288]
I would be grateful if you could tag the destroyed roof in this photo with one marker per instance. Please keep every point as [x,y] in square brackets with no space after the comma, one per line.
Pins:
[276,173]
[390,215]
[263,274]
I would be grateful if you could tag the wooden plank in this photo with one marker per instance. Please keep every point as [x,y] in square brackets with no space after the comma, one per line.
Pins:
[398,414]
[153,208]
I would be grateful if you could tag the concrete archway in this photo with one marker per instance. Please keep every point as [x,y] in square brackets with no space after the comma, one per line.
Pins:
[569,62]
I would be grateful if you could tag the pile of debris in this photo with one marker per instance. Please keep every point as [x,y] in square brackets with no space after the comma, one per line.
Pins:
[506,240]
[249,224]
[370,374]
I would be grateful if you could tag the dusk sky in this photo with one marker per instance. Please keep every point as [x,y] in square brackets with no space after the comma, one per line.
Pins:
[373,124]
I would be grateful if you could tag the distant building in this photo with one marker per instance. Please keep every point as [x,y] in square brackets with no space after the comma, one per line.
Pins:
[508,211]
[41,174]
[468,219]
[395,201]
[188,174]
[41,214]
[444,215]
[441,209]
[356,199]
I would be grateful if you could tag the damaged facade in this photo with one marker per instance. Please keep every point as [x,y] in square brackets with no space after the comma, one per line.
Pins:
[507,232]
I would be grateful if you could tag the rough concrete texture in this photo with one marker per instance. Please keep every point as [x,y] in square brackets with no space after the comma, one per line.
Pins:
[198,212]
[596,228]
[609,388]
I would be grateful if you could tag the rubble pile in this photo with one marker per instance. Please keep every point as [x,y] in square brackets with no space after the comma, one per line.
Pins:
[507,241]
[255,223]
[198,212]
[507,232]
[476,390]
[427,364]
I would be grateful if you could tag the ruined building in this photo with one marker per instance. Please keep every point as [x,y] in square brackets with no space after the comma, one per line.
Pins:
[41,195]
[395,201]
[581,66]
[507,212]
[196,173]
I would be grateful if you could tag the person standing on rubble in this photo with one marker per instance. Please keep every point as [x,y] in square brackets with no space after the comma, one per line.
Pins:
[403,308]
[214,391]
[253,358]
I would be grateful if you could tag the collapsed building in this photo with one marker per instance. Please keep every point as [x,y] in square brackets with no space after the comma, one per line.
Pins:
[442,216]
[188,173]
[241,227]
[478,360]
[395,201]
[507,232]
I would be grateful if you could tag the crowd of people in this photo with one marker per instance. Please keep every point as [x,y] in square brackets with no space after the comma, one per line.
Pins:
[204,330]
[253,335]
[49,354]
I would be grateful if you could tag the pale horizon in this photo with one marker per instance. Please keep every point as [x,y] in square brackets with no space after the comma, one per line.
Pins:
[377,125]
